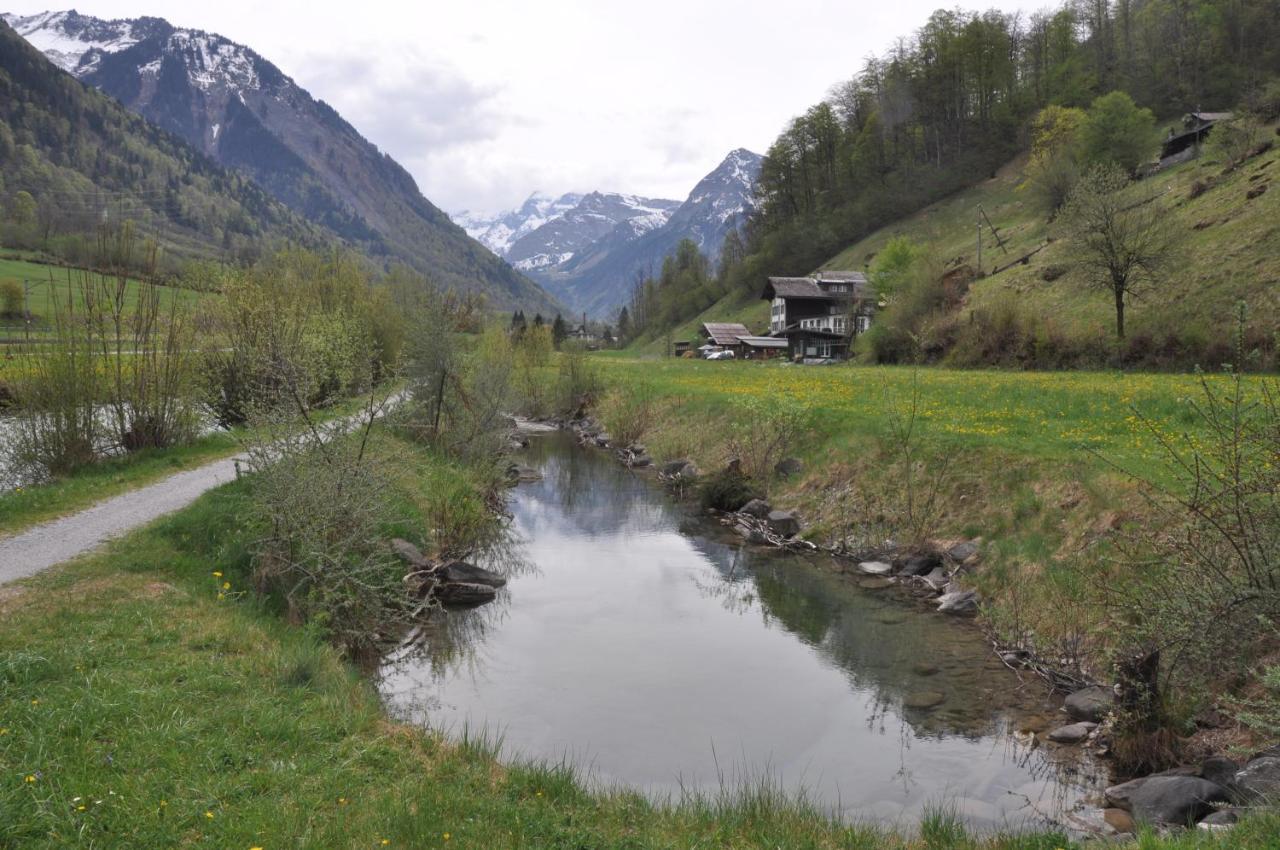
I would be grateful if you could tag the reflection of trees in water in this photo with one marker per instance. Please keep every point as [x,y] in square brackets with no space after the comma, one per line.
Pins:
[593,494]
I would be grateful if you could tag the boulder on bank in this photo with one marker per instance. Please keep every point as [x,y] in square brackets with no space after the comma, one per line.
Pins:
[410,554]
[1176,800]
[959,603]
[1220,770]
[784,523]
[460,572]
[758,508]
[1073,734]
[962,552]
[1259,781]
[681,469]
[464,594]
[919,564]
[1090,704]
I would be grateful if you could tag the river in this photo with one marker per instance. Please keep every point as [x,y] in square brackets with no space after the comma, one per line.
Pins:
[650,650]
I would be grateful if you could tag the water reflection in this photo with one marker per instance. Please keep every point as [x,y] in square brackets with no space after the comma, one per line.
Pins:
[659,653]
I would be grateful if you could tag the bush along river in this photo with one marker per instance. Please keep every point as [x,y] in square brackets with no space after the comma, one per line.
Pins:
[651,648]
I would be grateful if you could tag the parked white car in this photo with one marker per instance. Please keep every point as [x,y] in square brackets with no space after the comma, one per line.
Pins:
[721,355]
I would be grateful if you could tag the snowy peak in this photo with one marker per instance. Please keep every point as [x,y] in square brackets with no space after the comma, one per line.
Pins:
[596,215]
[69,38]
[499,232]
[728,192]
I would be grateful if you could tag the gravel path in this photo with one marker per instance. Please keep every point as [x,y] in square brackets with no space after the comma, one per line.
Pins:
[61,540]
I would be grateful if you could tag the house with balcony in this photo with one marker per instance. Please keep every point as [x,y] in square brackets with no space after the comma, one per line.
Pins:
[819,315]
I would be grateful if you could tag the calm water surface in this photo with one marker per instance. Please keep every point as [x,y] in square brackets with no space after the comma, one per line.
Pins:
[651,650]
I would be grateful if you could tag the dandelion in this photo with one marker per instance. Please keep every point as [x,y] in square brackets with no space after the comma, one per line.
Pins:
[30,778]
[217,573]
[342,801]
[164,803]
[35,702]
[209,815]
[226,585]
[79,808]
[221,596]
[384,842]
[446,836]
[3,732]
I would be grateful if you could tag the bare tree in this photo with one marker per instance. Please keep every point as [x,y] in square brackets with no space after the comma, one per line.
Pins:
[1122,244]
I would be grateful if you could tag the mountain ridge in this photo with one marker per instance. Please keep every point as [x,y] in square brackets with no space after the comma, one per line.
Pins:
[236,106]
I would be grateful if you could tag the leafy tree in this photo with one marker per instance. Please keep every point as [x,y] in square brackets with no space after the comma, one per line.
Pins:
[22,209]
[1056,149]
[1122,245]
[1118,132]
[12,300]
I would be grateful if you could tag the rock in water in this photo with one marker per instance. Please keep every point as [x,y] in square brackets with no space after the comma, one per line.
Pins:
[459,572]
[758,508]
[922,700]
[961,603]
[1090,704]
[465,594]
[920,564]
[875,568]
[784,523]
[1073,734]
[1177,800]
[521,473]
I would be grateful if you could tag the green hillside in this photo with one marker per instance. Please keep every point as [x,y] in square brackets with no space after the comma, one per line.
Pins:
[1228,254]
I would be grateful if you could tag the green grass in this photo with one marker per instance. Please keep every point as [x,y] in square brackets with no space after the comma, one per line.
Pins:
[137,708]
[47,282]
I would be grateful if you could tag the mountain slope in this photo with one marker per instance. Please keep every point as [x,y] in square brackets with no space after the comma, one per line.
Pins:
[598,280]
[239,108]
[86,159]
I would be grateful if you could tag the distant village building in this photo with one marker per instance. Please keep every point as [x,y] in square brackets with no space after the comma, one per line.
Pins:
[735,337]
[818,316]
[1182,145]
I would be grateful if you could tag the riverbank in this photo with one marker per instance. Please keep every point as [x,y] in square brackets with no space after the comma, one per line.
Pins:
[1041,470]
[184,712]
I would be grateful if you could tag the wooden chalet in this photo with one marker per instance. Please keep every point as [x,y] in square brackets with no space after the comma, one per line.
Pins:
[1184,144]
[731,336]
[818,316]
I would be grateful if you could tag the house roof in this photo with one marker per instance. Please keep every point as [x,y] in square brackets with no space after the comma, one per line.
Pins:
[725,333]
[763,342]
[1213,116]
[810,287]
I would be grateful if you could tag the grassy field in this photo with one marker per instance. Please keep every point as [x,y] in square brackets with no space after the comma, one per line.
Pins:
[45,283]
[186,712]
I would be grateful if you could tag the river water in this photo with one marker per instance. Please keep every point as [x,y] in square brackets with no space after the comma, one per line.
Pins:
[651,650]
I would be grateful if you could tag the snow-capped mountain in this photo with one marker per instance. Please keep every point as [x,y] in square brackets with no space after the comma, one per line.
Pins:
[499,232]
[596,216]
[597,277]
[243,111]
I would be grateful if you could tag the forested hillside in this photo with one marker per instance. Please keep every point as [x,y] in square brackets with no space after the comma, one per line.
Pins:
[70,156]
[953,102]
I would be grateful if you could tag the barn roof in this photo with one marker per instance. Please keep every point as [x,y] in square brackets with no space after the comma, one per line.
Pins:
[763,341]
[809,287]
[725,333]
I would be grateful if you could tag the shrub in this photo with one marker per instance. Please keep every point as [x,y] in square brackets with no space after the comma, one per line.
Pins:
[727,490]
[629,414]
[764,431]
[12,300]
[580,381]
[1197,597]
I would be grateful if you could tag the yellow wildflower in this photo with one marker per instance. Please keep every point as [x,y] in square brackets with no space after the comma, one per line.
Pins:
[217,573]
[209,815]
[30,778]
[446,836]
[226,585]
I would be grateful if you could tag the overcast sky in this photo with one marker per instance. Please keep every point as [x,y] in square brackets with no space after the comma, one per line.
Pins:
[485,101]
